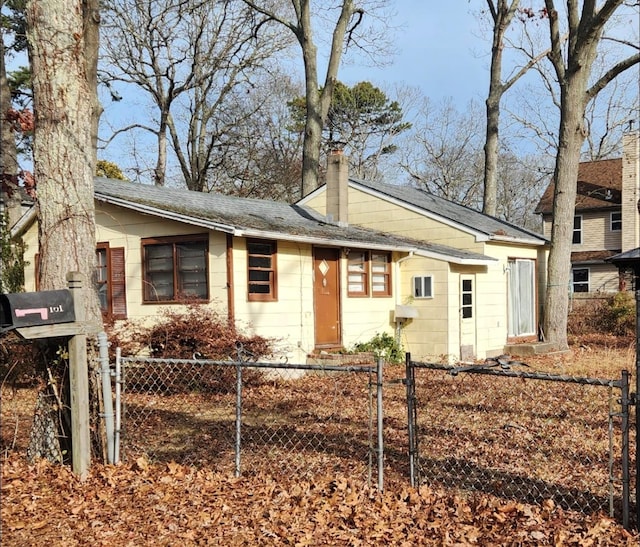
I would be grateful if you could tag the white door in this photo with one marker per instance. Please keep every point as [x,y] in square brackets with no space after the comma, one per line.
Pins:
[522,297]
[467,317]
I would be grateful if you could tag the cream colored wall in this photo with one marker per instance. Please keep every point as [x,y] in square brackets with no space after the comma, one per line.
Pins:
[426,337]
[289,320]
[436,333]
[122,228]
[30,239]
[372,212]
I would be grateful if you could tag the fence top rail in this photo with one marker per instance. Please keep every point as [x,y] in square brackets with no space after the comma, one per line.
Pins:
[510,373]
[250,364]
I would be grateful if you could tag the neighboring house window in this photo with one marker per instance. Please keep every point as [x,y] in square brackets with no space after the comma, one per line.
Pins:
[616,221]
[368,269]
[423,286]
[577,230]
[467,298]
[111,281]
[580,282]
[175,268]
[358,273]
[262,270]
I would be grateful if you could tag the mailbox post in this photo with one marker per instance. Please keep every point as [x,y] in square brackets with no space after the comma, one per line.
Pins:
[52,314]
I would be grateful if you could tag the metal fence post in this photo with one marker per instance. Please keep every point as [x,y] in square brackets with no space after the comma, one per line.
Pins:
[409,382]
[625,448]
[103,348]
[238,416]
[637,395]
[379,370]
[118,418]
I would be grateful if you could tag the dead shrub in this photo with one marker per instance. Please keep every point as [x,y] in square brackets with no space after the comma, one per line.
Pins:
[608,321]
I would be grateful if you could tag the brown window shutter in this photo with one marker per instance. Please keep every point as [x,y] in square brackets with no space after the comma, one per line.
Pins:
[37,267]
[118,283]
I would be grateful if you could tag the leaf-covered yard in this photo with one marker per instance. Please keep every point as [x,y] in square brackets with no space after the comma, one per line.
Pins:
[168,504]
[165,503]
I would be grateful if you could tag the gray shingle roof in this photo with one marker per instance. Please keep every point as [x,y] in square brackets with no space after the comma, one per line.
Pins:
[260,218]
[459,214]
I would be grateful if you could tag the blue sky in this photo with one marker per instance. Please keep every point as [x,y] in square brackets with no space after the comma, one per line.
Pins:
[440,50]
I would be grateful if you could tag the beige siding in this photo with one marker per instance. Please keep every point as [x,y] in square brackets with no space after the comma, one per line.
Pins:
[597,234]
[372,212]
[602,277]
[426,337]
[289,320]
[30,239]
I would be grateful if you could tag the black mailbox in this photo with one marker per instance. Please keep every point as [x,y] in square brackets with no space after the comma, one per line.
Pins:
[29,309]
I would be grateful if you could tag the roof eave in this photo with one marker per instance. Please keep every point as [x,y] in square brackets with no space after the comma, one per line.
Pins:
[456,259]
[165,214]
[24,222]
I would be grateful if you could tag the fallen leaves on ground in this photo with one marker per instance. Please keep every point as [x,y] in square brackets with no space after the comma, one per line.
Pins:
[143,503]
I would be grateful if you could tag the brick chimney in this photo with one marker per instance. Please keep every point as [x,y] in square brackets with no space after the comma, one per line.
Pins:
[630,190]
[337,187]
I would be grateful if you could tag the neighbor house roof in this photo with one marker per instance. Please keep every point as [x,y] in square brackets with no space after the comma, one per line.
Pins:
[484,227]
[599,187]
[244,217]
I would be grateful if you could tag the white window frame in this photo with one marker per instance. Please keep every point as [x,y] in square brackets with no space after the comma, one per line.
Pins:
[616,224]
[577,230]
[421,279]
[573,281]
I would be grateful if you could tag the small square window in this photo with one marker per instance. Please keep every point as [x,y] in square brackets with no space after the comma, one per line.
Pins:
[423,286]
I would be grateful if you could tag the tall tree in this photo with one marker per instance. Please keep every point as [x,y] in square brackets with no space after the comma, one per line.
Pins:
[573,69]
[502,15]
[344,20]
[363,120]
[62,37]
[191,59]
[260,155]
[443,155]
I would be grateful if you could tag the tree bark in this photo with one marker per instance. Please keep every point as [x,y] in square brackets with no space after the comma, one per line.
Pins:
[573,70]
[63,152]
[502,15]
[63,52]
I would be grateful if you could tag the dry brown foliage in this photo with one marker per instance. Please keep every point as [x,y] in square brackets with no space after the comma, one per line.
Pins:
[168,504]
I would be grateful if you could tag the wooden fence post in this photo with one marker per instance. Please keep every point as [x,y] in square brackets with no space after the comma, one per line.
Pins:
[79,384]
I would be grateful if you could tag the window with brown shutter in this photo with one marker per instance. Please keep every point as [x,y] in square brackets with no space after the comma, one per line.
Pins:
[111,281]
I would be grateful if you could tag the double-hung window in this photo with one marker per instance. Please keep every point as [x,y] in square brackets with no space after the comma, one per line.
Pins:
[616,221]
[175,268]
[262,274]
[358,273]
[577,230]
[368,273]
[580,279]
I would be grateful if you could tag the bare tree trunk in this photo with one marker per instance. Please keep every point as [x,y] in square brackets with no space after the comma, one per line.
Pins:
[64,98]
[573,69]
[556,303]
[502,14]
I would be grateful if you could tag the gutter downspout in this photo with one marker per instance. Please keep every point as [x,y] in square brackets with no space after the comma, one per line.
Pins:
[397,292]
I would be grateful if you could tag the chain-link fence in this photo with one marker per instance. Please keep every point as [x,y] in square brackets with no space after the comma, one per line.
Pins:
[522,435]
[252,417]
